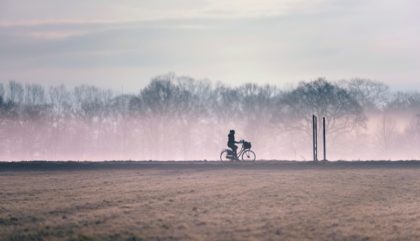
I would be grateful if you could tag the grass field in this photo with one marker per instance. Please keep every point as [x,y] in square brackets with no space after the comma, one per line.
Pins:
[210,201]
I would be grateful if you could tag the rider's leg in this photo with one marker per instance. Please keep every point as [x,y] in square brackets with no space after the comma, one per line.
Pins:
[234,148]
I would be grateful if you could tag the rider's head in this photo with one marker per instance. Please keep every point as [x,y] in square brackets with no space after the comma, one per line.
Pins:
[232,132]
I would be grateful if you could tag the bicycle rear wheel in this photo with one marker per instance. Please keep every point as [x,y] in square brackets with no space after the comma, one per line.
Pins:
[249,155]
[224,156]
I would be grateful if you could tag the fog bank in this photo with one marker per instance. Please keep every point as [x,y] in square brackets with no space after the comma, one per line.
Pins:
[180,118]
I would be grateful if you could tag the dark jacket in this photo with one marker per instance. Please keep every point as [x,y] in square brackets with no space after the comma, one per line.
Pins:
[231,139]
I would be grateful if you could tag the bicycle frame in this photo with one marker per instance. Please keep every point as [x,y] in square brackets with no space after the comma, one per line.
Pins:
[227,154]
[239,154]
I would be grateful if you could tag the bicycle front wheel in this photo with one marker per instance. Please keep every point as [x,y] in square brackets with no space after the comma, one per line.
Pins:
[249,155]
[224,156]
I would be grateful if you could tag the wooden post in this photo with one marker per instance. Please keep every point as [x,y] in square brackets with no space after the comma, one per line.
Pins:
[324,135]
[315,137]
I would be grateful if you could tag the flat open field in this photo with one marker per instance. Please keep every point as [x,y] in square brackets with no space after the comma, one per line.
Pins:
[210,201]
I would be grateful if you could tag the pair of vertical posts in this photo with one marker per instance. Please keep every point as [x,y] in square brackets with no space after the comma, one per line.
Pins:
[315,137]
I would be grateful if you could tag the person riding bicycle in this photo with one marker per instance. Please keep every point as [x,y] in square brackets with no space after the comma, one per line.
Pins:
[231,142]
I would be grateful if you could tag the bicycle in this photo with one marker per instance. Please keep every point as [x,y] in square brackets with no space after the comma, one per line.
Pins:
[245,153]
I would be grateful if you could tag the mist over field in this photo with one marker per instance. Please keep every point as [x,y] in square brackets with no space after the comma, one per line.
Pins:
[181,118]
[115,116]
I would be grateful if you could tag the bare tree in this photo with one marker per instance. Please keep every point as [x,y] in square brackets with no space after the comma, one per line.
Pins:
[61,100]
[1,93]
[324,99]
[404,101]
[372,95]
[16,92]
[386,135]
[34,94]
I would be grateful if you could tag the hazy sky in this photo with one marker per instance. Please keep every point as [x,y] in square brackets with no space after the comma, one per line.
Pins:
[124,43]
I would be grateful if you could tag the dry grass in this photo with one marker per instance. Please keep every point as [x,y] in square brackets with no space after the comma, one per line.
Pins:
[211,204]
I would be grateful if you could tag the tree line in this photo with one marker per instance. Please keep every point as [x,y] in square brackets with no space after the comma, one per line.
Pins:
[177,118]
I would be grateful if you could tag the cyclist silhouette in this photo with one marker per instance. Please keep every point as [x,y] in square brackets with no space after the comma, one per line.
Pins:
[231,141]
[230,154]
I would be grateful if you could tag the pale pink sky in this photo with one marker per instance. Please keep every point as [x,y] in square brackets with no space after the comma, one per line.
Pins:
[124,43]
